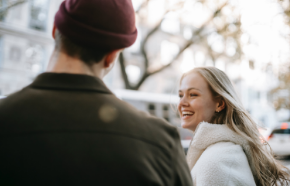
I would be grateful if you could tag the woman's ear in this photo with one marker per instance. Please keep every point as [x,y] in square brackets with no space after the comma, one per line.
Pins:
[221,104]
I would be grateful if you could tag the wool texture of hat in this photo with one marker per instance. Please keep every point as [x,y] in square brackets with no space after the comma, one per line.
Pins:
[107,24]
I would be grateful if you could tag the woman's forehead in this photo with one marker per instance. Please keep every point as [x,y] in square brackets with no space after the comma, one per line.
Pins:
[193,80]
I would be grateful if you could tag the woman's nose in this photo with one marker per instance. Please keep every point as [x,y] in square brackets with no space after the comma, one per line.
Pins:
[183,102]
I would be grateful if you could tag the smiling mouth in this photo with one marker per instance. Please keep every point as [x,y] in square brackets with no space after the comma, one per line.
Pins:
[186,114]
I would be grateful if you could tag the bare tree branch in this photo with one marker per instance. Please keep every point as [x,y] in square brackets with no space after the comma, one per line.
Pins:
[144,42]
[155,29]
[189,43]
[146,74]
[141,81]
[123,71]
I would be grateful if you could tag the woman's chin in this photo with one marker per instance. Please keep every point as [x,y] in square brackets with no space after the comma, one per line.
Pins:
[189,126]
[185,125]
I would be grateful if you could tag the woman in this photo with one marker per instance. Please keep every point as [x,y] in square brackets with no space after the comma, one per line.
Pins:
[226,148]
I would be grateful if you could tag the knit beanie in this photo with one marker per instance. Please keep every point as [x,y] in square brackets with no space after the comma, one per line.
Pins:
[107,24]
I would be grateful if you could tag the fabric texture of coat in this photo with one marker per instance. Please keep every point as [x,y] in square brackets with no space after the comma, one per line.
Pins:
[219,157]
[67,129]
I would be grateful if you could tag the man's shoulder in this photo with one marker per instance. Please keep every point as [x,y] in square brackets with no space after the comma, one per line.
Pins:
[12,98]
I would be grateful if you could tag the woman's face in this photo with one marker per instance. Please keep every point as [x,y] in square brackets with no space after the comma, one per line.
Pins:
[196,101]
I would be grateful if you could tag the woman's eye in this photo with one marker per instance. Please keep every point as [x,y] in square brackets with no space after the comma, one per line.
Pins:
[192,95]
[180,96]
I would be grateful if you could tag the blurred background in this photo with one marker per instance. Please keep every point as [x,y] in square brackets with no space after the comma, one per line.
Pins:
[247,39]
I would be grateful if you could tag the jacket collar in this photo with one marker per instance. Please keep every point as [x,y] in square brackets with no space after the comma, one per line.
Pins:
[207,134]
[63,81]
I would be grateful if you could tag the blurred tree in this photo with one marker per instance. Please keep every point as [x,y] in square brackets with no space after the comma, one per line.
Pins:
[280,95]
[168,28]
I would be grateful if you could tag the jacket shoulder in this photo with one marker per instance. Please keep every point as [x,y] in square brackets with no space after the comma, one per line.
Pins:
[223,163]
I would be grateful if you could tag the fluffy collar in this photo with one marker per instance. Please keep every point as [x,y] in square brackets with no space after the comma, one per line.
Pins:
[207,134]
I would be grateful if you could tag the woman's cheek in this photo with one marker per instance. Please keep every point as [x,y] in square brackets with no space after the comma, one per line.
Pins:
[209,112]
[197,105]
[203,110]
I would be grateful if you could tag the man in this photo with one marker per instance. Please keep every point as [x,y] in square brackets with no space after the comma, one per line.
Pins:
[67,128]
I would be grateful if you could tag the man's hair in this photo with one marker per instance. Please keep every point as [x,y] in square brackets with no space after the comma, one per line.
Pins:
[88,55]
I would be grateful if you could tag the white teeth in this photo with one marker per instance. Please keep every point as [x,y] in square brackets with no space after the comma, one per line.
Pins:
[187,113]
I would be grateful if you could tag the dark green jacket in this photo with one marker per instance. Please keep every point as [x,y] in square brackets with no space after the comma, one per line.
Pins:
[67,129]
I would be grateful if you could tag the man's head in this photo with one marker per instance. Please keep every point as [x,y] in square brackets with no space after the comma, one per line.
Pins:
[90,30]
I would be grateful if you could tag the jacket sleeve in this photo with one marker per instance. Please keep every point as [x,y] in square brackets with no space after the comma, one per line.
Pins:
[181,170]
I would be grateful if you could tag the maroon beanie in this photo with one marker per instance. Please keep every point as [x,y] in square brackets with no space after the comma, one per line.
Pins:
[108,24]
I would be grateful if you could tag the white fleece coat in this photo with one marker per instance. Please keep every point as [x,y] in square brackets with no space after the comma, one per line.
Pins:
[219,157]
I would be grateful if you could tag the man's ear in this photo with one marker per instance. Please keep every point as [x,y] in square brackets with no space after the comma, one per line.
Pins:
[53,31]
[111,57]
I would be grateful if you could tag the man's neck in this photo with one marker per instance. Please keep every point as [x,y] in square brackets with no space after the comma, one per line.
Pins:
[62,63]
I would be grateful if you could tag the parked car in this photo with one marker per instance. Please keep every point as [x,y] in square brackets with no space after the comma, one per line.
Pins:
[279,139]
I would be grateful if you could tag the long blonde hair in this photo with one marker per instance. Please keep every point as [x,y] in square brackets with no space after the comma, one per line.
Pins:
[267,170]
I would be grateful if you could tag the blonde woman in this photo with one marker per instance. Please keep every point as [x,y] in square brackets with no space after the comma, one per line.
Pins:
[226,149]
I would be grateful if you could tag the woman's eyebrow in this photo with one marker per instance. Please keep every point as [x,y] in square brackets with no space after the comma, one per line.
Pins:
[193,88]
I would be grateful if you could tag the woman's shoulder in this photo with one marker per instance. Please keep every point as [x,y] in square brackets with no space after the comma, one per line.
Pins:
[224,148]
[226,153]
[223,163]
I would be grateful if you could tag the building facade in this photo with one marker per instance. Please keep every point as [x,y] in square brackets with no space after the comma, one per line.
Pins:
[25,42]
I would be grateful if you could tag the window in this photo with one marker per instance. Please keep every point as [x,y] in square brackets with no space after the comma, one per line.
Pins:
[151,108]
[166,112]
[38,14]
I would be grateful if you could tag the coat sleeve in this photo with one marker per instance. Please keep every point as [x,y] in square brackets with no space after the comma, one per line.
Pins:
[223,164]
[180,168]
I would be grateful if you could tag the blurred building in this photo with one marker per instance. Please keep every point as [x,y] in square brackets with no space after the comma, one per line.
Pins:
[25,42]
